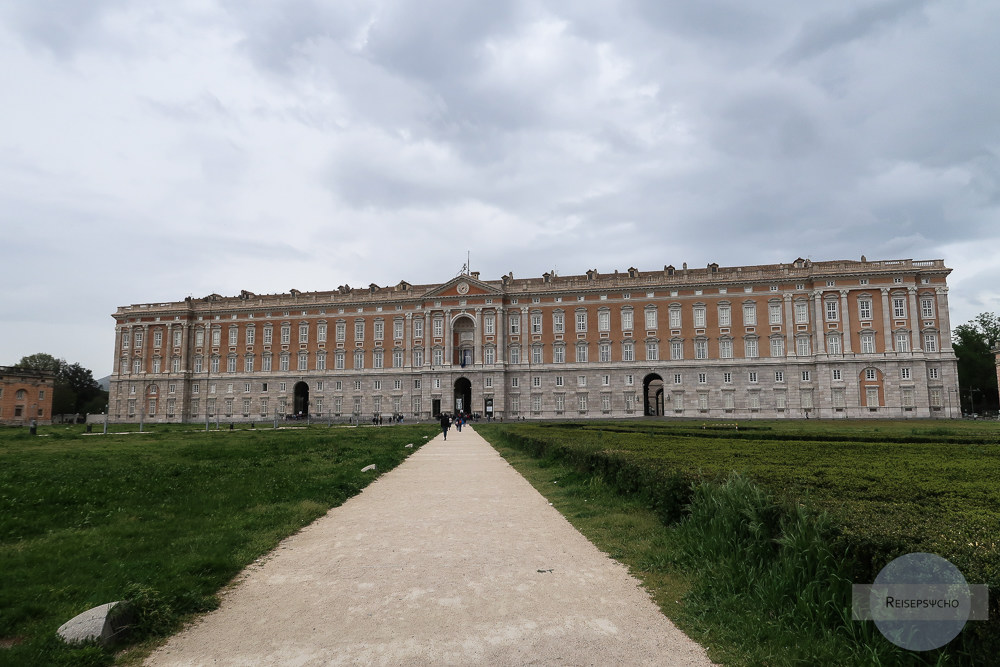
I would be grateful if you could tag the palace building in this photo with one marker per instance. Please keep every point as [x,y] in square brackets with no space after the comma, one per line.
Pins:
[803,339]
[26,396]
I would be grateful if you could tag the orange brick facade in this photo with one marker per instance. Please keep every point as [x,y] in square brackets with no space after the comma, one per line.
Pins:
[828,339]
[25,395]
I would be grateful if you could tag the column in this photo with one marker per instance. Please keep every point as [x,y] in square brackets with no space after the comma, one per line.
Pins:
[915,342]
[820,347]
[448,342]
[477,355]
[886,325]
[944,320]
[845,318]
[408,345]
[789,326]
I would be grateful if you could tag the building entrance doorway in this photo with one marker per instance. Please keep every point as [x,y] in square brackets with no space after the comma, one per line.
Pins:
[300,402]
[436,407]
[463,395]
[652,395]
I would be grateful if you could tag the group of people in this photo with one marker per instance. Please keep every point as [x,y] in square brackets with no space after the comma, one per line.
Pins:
[447,420]
[378,419]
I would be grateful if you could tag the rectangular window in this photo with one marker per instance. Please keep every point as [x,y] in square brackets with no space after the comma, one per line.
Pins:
[779,376]
[652,351]
[378,359]
[927,308]
[864,309]
[899,307]
[397,358]
[265,363]
[932,373]
[838,397]
[283,362]
[605,402]
[582,400]
[581,380]
[699,316]
[340,331]
[752,377]
[902,341]
[628,352]
[286,334]
[175,365]
[536,403]
[806,376]
[678,378]
[515,382]
[536,323]
[935,397]
[397,329]
[651,318]
[536,354]
[437,357]
[803,348]
[701,349]
[833,345]
[870,374]
[303,333]
[560,403]
[438,327]
[418,327]
[489,325]
[780,400]
[418,357]
[215,364]
[138,339]
[559,354]
[675,318]
[359,359]
[216,337]
[605,353]
[774,313]
[248,364]
[158,339]
[321,362]
[904,373]
[558,323]
[749,314]
[676,349]
[321,333]
[581,321]
[559,380]
[725,348]
[379,329]
[338,360]
[801,312]
[725,315]
[702,378]
[753,400]
[515,323]
[832,310]
[777,347]
[868,343]
[627,320]
[581,354]
[930,342]
[490,356]
[604,320]
[359,331]
[750,348]
[515,355]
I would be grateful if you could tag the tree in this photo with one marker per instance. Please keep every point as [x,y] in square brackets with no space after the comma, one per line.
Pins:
[75,387]
[974,342]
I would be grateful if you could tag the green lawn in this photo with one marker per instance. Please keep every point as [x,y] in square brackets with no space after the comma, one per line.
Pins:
[167,517]
[885,488]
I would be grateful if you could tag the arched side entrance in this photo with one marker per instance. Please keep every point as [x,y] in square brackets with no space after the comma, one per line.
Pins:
[652,395]
[463,395]
[301,399]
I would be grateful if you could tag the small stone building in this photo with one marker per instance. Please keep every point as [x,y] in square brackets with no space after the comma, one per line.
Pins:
[25,395]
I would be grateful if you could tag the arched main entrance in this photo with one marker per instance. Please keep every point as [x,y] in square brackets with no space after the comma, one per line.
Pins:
[301,399]
[463,342]
[463,395]
[652,395]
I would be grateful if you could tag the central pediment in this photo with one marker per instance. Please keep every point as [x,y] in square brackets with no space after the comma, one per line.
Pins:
[463,286]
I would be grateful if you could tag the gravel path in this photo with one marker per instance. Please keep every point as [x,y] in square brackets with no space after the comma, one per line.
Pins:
[450,559]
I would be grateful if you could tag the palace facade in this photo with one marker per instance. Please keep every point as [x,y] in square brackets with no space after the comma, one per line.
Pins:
[25,396]
[832,339]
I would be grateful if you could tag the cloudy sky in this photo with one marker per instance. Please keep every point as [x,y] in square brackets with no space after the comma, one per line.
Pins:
[158,149]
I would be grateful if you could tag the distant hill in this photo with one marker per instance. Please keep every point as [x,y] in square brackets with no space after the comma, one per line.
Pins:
[105,383]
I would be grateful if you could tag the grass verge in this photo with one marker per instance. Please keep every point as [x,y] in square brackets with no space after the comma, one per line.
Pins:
[165,519]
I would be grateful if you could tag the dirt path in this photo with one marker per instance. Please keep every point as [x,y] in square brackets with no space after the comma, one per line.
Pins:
[450,559]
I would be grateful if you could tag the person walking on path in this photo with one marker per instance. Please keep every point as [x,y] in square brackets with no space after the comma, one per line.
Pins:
[459,418]
[445,423]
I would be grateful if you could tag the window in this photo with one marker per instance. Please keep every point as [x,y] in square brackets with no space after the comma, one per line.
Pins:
[359,331]
[604,350]
[650,318]
[752,377]
[868,343]
[750,348]
[629,380]
[581,380]
[927,307]
[437,357]
[138,339]
[378,359]
[678,378]
[397,358]
[321,333]
[303,361]
[727,377]
[489,355]
[303,333]
[286,334]
[559,380]
[628,351]
[930,342]
[581,353]
[871,374]
[774,313]
[780,400]
[418,326]
[702,378]
[248,363]
[749,314]
[604,320]
[806,397]
[701,349]
[838,397]
[801,312]
[216,337]
[606,402]
[806,376]
[627,319]
[536,354]
[832,310]
[582,401]
[652,351]
[283,362]
[514,382]
[935,397]
[515,355]
[379,329]
[777,347]
[359,359]
[515,323]
[699,316]
[904,373]
[158,339]
[803,346]
[932,373]
[536,323]
[438,327]
[558,322]
[753,400]
[175,365]
[397,329]
[836,374]
[156,365]
[215,364]
[489,324]
[864,309]
[703,401]
[536,403]
[725,315]
[536,381]
[675,317]
[560,403]
[676,349]
[581,321]
[338,360]
[779,376]
[125,338]
[833,345]
[726,348]
[871,397]
[902,341]
[899,307]
[418,357]
[377,385]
